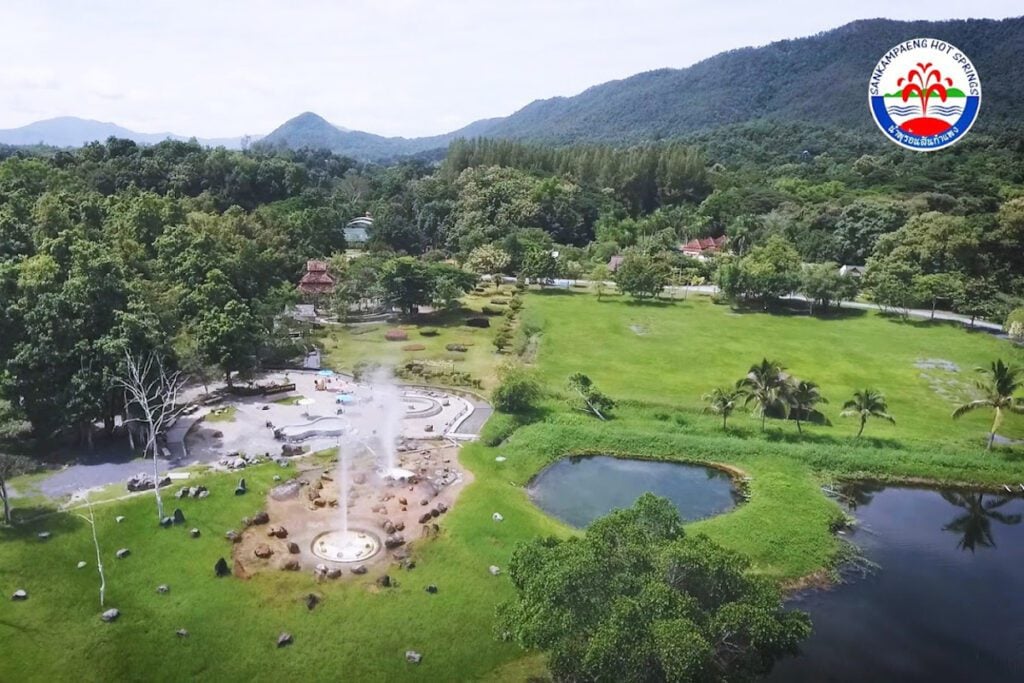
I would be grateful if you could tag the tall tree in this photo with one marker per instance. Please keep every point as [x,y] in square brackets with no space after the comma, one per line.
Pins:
[867,403]
[723,401]
[804,397]
[767,387]
[998,388]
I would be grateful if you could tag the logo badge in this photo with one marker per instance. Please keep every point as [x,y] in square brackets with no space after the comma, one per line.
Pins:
[924,94]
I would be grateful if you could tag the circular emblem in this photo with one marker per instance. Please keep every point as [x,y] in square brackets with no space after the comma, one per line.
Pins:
[924,94]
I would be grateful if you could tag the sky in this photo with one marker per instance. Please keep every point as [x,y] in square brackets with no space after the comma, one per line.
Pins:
[214,68]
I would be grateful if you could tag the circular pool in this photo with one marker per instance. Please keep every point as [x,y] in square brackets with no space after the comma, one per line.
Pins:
[421,406]
[353,545]
[579,490]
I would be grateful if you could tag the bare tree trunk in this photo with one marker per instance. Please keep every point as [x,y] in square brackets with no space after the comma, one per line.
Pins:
[6,501]
[91,520]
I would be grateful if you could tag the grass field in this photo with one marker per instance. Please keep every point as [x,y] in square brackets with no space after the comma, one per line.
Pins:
[656,360]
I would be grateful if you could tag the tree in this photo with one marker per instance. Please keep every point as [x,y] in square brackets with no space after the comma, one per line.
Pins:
[11,466]
[978,298]
[588,398]
[823,286]
[998,386]
[722,401]
[891,283]
[864,404]
[766,386]
[229,338]
[489,259]
[151,400]
[637,599]
[936,287]
[407,283]
[599,276]
[804,396]
[539,265]
[771,270]
[641,276]
[517,391]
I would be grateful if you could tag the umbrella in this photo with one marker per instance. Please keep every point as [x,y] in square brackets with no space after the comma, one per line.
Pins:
[305,403]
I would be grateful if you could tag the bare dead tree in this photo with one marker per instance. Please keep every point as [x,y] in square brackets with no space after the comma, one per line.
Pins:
[153,392]
[91,521]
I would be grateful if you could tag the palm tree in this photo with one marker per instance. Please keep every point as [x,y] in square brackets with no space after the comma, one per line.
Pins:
[803,397]
[766,385]
[975,524]
[722,401]
[864,404]
[998,387]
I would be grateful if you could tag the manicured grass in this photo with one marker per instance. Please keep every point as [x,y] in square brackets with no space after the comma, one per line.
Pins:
[655,359]
[347,345]
[672,353]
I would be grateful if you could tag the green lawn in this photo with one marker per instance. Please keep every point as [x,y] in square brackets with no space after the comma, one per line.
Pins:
[655,359]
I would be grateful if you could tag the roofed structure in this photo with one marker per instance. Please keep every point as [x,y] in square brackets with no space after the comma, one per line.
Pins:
[316,280]
[703,247]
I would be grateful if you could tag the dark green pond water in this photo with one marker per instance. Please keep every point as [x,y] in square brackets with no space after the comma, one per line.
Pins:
[579,490]
[946,602]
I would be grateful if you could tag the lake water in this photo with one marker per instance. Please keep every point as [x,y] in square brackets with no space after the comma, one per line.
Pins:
[579,490]
[946,602]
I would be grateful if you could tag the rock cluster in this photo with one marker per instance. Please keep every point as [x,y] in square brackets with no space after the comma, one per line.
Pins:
[145,482]
[192,492]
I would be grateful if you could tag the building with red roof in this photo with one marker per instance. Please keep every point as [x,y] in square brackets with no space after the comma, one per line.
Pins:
[703,247]
[316,280]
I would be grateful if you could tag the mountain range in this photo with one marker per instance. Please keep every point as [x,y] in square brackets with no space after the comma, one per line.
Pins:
[71,131]
[820,79]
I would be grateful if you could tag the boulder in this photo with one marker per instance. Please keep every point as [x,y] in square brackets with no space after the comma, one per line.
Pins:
[291,565]
[431,589]
[181,633]
[319,503]
[277,532]
[284,639]
[123,553]
[359,569]
[194,533]
[403,501]
[413,657]
[167,522]
[20,594]
[263,551]
[221,569]
[394,541]
[110,615]
[442,508]
[179,516]
[384,581]
[497,517]
[205,494]
[43,535]
[334,573]
[233,536]
[82,565]
[312,600]
[425,517]
[435,513]
[163,588]
[389,527]
[400,526]
[293,548]
[287,490]
[246,522]
[182,493]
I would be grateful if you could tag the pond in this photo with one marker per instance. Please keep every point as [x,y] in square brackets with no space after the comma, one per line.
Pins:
[945,603]
[579,490]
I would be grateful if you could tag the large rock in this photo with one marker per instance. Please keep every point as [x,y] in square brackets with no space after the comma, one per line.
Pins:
[359,569]
[293,548]
[123,553]
[233,536]
[20,594]
[287,490]
[291,565]
[221,569]
[111,615]
[179,516]
[394,541]
[284,639]
[261,518]
[263,551]
[277,532]
[413,657]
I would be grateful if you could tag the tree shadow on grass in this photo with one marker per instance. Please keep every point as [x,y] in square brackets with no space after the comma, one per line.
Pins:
[30,521]
[797,309]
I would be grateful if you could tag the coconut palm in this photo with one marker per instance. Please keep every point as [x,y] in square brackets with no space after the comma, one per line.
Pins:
[722,401]
[864,404]
[975,524]
[766,385]
[803,397]
[998,387]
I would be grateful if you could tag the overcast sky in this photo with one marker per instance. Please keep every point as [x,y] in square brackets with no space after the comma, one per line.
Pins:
[394,67]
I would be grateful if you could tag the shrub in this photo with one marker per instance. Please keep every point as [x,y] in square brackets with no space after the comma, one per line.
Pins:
[478,322]
[1015,324]
[429,332]
[460,348]
[396,334]
[499,301]
[413,347]
[517,392]
[516,303]
[491,310]
[502,339]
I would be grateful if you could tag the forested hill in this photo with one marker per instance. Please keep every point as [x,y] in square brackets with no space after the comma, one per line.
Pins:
[820,79]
